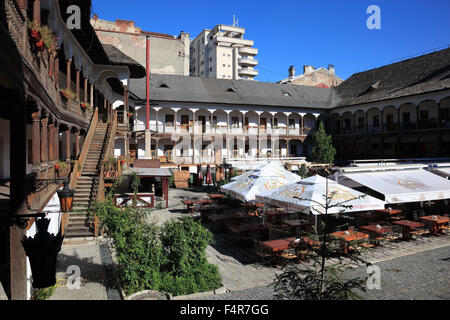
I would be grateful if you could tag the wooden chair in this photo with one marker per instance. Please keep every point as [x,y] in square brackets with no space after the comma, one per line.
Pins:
[266,258]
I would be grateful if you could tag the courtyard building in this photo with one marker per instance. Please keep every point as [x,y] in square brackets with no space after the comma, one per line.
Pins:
[57,89]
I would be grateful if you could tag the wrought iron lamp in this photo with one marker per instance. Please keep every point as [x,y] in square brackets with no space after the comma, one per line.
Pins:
[42,250]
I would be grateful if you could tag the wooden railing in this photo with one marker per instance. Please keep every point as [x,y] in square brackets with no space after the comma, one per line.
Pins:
[84,152]
[98,191]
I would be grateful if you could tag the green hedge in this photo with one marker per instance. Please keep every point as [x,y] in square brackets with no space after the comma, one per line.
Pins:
[170,258]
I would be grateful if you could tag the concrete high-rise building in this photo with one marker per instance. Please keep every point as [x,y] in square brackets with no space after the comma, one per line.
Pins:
[223,53]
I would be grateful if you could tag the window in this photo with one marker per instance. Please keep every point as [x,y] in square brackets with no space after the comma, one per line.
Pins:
[360,123]
[390,118]
[292,123]
[376,121]
[275,122]
[347,123]
[445,114]
[210,69]
[235,122]
[406,117]
[423,114]
[169,120]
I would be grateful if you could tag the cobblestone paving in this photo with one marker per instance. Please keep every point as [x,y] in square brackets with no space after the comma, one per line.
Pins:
[94,261]
[420,276]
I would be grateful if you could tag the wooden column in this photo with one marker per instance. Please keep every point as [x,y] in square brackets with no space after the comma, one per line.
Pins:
[51,146]
[51,65]
[56,135]
[302,125]
[56,71]
[37,11]
[125,104]
[44,141]
[68,71]
[77,144]
[68,146]
[85,96]
[36,155]
[77,84]
[166,191]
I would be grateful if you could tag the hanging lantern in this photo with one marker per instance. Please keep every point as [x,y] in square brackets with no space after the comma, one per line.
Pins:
[42,250]
[66,198]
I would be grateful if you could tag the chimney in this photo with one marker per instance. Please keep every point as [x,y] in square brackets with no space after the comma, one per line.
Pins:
[331,68]
[291,72]
[307,70]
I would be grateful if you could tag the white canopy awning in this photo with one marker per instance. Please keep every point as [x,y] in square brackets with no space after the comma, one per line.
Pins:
[308,195]
[263,179]
[404,185]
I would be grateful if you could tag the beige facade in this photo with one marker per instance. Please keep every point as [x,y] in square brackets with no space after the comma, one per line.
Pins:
[223,53]
[168,54]
[320,77]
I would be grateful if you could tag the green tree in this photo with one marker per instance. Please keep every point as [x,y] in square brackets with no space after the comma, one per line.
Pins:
[323,150]
[324,278]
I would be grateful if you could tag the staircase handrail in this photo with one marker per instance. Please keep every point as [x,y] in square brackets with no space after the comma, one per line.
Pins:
[98,191]
[84,151]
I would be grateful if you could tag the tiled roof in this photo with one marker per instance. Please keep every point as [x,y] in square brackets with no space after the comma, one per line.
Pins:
[172,88]
[426,73]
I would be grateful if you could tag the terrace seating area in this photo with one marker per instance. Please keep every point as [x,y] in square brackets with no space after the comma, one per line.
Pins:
[278,236]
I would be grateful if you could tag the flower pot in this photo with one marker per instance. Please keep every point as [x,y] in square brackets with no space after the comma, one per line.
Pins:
[39,46]
[35,35]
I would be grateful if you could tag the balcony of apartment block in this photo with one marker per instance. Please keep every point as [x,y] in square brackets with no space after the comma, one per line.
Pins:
[248,62]
[248,72]
[247,51]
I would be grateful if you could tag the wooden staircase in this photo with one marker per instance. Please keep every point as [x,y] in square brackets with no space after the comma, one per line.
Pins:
[78,224]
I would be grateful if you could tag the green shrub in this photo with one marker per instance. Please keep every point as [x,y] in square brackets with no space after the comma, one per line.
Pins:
[44,293]
[170,258]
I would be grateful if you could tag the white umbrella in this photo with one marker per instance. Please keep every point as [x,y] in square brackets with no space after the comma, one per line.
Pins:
[246,174]
[308,196]
[266,178]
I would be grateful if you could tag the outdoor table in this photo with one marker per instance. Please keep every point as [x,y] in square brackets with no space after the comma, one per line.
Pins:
[277,246]
[216,197]
[367,217]
[220,219]
[212,209]
[390,211]
[346,238]
[189,205]
[252,207]
[407,227]
[375,232]
[436,223]
[238,230]
[273,213]
[296,224]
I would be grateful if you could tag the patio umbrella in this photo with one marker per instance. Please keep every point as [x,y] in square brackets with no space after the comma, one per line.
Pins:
[308,196]
[208,174]
[246,174]
[199,176]
[266,178]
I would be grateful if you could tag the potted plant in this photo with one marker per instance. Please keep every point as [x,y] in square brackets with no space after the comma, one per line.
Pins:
[35,32]
[67,94]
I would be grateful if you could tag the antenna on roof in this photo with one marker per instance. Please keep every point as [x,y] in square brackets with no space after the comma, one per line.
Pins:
[235,21]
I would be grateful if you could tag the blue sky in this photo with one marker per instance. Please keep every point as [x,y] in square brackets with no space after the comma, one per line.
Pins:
[301,32]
